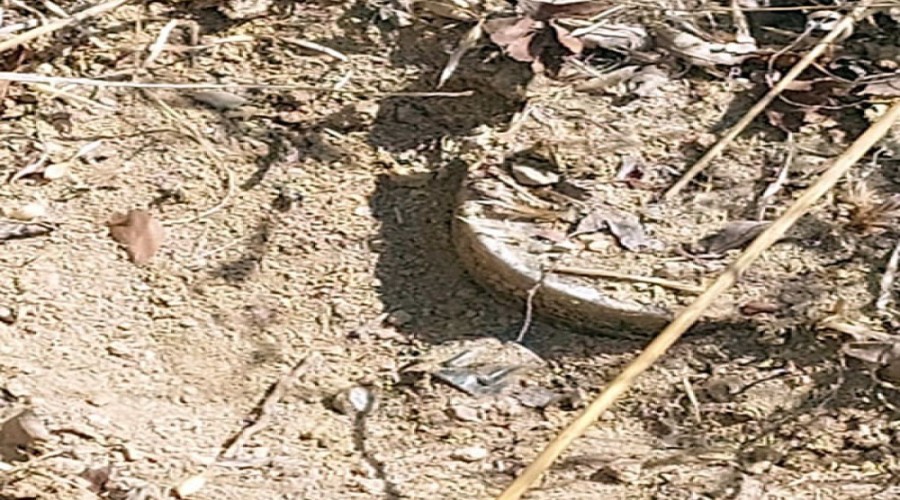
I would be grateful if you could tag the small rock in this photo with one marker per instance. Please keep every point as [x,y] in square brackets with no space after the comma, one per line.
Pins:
[464,413]
[398,318]
[530,176]
[471,454]
[190,486]
[56,171]
[219,99]
[354,400]
[16,388]
[7,315]
[760,467]
[29,212]
[132,454]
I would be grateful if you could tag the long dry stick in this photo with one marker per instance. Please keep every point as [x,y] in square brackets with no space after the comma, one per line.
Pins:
[840,28]
[650,280]
[689,315]
[58,80]
[46,29]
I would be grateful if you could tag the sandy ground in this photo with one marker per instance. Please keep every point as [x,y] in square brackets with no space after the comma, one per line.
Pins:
[146,373]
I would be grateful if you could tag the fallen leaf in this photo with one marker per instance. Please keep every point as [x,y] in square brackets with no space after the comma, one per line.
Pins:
[626,227]
[97,478]
[615,37]
[703,53]
[591,223]
[549,9]
[139,233]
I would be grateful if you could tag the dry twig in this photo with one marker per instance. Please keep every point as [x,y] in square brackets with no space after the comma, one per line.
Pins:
[692,313]
[887,280]
[46,29]
[839,29]
[602,273]
[261,414]
[58,80]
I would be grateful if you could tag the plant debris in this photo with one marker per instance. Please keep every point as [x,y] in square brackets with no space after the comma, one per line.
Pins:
[139,233]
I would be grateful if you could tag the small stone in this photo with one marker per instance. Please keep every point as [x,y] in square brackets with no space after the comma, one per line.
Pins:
[530,176]
[464,413]
[219,99]
[56,171]
[7,315]
[353,401]
[16,388]
[760,467]
[471,454]
[132,454]
[399,318]
[100,399]
[29,212]
[190,486]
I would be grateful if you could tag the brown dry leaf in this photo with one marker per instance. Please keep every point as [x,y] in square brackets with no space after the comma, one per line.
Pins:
[139,233]
[573,44]
[513,35]
[528,40]
[626,227]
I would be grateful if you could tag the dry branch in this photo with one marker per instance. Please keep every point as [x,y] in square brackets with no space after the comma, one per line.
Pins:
[46,29]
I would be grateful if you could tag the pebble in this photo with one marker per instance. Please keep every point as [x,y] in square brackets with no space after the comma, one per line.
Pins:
[471,454]
[530,176]
[465,413]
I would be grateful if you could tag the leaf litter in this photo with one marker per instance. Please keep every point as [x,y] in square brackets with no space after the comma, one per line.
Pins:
[139,233]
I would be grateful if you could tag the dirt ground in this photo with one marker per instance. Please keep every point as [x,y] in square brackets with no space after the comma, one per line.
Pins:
[314,225]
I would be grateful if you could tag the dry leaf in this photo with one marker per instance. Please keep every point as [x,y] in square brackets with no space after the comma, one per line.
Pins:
[702,53]
[549,9]
[528,40]
[616,37]
[97,478]
[626,227]
[139,233]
